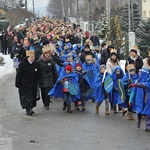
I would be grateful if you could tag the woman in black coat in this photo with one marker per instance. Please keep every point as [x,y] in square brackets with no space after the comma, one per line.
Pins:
[26,81]
[48,74]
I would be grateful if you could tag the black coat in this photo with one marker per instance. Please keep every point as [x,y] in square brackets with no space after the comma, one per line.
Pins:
[138,63]
[48,73]
[27,77]
[95,40]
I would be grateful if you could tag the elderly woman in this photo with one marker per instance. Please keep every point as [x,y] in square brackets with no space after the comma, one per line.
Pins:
[48,74]
[26,81]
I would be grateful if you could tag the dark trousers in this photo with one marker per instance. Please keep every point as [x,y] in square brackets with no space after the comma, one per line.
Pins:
[67,98]
[27,101]
[45,97]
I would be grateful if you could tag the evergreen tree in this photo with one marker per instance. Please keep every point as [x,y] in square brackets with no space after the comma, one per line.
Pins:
[135,17]
[115,33]
[101,27]
[143,36]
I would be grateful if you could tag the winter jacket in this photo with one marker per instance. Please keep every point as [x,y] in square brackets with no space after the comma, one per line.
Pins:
[138,63]
[110,65]
[27,77]
[145,64]
[48,73]
[95,41]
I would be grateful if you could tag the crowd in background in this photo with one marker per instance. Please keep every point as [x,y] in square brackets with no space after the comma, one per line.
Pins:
[62,60]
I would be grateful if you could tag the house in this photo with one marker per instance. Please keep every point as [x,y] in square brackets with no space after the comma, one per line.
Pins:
[145,9]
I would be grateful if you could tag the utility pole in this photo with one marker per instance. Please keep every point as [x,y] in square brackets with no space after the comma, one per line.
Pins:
[77,11]
[26,6]
[108,10]
[33,9]
[63,11]
[90,17]
[129,16]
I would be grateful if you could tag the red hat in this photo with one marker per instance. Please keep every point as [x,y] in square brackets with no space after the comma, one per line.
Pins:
[78,65]
[68,67]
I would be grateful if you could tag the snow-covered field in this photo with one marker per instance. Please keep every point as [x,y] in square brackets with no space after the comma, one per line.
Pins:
[7,67]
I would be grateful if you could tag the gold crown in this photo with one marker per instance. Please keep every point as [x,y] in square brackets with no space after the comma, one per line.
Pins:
[48,48]
[130,67]
[108,43]
[135,47]
[29,53]
[113,51]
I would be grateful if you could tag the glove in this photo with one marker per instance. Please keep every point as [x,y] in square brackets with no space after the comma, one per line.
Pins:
[129,81]
[130,104]
[132,85]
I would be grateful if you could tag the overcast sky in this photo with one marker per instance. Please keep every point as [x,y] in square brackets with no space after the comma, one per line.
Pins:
[40,6]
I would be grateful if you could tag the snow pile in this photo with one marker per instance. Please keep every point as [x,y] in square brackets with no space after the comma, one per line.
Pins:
[7,67]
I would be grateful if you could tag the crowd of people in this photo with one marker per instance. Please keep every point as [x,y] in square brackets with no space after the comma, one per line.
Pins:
[60,60]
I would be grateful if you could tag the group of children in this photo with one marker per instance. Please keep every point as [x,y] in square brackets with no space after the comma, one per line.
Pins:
[84,81]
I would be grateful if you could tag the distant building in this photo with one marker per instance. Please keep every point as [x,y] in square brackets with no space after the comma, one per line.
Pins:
[145,9]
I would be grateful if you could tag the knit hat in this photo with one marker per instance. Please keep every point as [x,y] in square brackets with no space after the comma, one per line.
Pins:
[102,66]
[87,46]
[113,52]
[134,49]
[78,65]
[69,68]
[46,42]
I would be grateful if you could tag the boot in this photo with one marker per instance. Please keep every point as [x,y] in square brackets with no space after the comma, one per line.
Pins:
[77,108]
[107,111]
[69,109]
[96,109]
[138,123]
[115,110]
[83,108]
[65,105]
[129,116]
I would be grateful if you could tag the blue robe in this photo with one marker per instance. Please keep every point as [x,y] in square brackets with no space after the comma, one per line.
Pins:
[99,88]
[140,93]
[115,98]
[128,91]
[56,91]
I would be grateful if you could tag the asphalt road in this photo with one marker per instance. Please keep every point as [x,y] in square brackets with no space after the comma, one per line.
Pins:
[57,130]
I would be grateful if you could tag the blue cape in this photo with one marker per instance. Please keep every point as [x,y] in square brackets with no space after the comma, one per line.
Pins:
[115,98]
[56,91]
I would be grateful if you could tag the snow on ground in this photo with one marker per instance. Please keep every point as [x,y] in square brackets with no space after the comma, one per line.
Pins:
[7,67]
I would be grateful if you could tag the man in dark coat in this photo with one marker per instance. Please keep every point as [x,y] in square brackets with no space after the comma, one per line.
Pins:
[135,59]
[26,81]
[95,40]
[3,39]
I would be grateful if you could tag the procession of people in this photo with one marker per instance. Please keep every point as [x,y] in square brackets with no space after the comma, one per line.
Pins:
[51,63]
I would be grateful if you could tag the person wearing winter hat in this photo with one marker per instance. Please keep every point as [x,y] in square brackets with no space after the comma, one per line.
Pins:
[135,59]
[86,51]
[113,61]
[83,85]
[26,81]
[48,74]
[99,90]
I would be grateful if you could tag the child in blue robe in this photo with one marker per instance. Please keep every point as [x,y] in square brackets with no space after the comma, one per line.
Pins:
[115,99]
[91,72]
[66,87]
[83,85]
[129,78]
[141,94]
[99,91]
